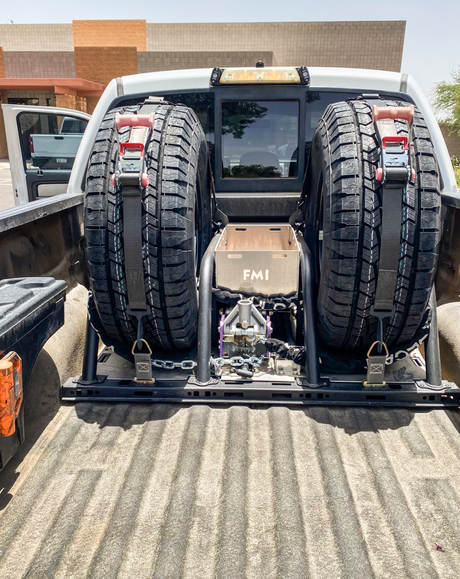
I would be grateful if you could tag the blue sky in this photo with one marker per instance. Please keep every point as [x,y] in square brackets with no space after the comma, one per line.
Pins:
[431,50]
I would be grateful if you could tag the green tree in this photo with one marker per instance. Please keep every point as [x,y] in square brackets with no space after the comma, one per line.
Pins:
[239,115]
[446,99]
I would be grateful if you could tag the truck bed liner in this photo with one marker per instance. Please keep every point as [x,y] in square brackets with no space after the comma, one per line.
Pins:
[169,491]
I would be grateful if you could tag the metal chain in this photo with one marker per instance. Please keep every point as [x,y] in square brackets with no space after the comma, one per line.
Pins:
[235,362]
[170,365]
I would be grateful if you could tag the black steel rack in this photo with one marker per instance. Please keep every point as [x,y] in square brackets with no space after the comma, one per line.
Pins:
[108,377]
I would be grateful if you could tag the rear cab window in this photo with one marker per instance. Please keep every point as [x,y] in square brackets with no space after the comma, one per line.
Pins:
[260,139]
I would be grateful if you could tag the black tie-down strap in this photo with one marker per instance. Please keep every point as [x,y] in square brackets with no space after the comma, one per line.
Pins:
[131,178]
[394,173]
[132,242]
[390,250]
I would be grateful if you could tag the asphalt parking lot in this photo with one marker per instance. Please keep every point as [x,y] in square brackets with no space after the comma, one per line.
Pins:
[6,186]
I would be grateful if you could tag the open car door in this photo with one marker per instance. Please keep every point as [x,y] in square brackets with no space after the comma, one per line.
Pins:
[42,145]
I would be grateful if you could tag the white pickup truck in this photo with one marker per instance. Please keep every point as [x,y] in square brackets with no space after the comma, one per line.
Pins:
[280,469]
[58,151]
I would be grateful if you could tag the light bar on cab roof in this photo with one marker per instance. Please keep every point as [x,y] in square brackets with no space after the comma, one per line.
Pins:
[262,75]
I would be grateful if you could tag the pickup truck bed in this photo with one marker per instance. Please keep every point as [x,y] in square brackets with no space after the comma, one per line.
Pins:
[166,491]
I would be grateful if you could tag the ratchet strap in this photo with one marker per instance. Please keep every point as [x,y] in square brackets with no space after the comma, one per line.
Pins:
[132,229]
[394,173]
[131,178]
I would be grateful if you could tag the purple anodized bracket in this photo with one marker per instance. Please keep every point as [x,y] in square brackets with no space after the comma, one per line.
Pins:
[221,334]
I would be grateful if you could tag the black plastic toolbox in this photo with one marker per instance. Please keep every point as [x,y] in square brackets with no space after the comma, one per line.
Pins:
[31,311]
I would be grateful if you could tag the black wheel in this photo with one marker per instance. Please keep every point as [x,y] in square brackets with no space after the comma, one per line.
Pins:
[343,227]
[176,226]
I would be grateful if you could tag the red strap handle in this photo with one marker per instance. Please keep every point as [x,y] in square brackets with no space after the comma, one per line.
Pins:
[403,113]
[134,121]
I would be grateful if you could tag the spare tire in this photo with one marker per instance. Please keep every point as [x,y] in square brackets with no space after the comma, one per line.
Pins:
[176,227]
[343,227]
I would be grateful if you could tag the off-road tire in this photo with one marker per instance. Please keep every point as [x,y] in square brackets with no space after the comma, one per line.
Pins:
[176,228]
[344,203]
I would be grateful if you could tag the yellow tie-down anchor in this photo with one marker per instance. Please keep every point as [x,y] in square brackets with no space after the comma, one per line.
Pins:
[143,363]
[376,367]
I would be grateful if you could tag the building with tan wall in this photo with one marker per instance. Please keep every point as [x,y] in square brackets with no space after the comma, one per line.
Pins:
[70,64]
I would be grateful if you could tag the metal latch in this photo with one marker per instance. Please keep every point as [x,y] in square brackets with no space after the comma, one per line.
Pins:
[376,366]
[143,363]
[131,167]
[395,170]
[130,170]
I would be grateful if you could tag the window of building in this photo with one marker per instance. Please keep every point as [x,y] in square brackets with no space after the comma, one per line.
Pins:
[22,101]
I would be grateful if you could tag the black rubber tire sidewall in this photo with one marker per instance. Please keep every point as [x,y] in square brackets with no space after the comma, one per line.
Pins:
[344,199]
[178,169]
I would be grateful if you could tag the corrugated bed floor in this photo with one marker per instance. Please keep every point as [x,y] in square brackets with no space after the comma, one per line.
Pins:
[162,491]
